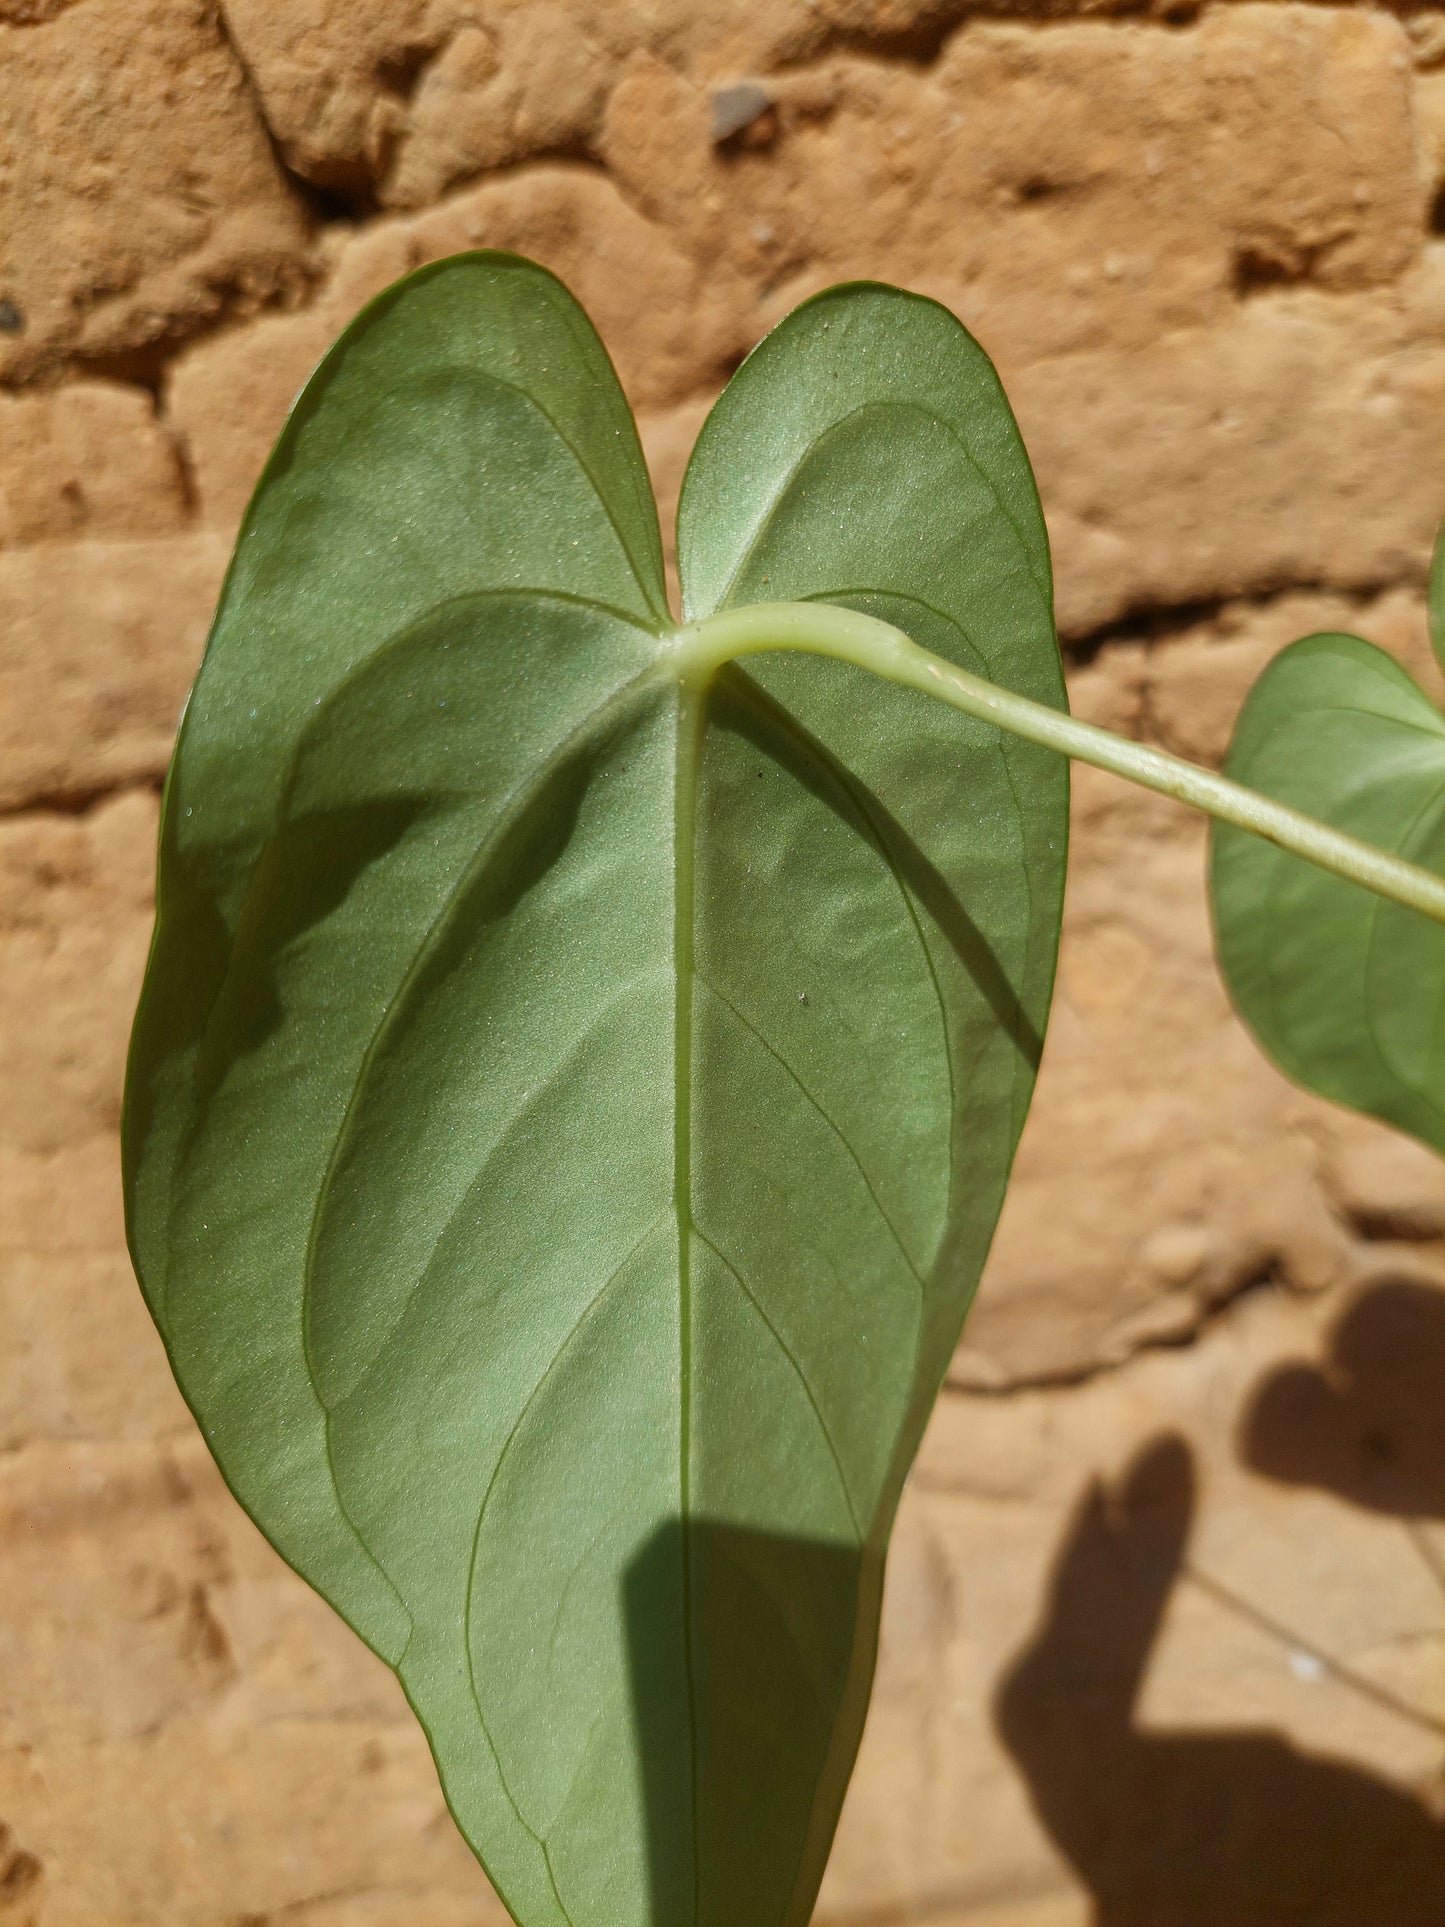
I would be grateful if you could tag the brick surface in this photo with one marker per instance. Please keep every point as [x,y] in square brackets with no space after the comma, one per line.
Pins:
[1204,248]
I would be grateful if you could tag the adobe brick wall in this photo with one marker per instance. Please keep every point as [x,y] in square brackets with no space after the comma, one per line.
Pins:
[1203,246]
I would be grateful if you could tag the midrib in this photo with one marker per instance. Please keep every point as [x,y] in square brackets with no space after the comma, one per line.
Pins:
[691,701]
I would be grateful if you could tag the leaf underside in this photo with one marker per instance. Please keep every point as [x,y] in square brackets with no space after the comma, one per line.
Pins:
[1344,990]
[567,1115]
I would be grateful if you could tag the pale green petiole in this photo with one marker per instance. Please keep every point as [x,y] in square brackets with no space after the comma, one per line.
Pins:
[823,629]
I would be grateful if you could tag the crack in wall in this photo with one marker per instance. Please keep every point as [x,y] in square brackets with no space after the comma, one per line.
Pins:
[968,1382]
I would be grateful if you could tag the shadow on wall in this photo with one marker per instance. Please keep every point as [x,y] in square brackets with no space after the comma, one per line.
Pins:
[1368,1425]
[1237,1827]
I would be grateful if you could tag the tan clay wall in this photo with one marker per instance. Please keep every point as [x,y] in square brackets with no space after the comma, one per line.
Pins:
[1166,1609]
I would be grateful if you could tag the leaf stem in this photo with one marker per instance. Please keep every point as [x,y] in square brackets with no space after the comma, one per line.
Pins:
[824,629]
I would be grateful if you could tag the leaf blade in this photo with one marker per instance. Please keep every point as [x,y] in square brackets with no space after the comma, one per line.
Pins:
[273,665]
[1335,983]
[567,1113]
[864,454]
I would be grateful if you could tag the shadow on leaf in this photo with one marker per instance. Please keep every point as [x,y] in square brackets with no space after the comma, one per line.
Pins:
[742,1793]
[305,872]
[742,704]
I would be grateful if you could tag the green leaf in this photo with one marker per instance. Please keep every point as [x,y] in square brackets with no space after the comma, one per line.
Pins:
[1343,989]
[569,1107]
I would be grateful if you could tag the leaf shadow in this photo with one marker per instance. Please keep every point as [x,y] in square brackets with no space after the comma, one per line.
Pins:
[1190,1828]
[1368,1423]
[312,864]
[743,705]
[304,873]
[747,1737]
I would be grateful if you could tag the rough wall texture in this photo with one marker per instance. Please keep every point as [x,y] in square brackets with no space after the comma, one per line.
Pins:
[1166,1620]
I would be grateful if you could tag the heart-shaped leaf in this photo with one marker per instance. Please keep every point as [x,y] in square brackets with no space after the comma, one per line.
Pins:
[1344,990]
[569,1104]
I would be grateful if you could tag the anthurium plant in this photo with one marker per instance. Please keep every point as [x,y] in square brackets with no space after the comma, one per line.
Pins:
[583,1049]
